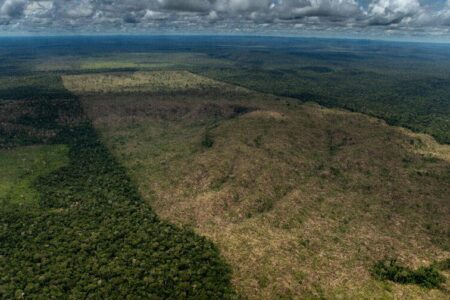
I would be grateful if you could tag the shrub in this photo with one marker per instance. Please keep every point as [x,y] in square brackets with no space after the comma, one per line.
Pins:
[390,269]
[207,141]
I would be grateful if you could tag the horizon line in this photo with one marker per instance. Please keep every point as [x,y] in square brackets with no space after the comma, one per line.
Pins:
[249,35]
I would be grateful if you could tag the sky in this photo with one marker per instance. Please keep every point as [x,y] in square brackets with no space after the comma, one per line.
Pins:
[403,19]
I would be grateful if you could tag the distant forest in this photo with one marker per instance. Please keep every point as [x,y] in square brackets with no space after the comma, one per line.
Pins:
[406,84]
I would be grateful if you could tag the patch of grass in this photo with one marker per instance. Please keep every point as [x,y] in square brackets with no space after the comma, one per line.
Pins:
[443,265]
[122,65]
[391,269]
[108,65]
[20,167]
[264,204]
[142,82]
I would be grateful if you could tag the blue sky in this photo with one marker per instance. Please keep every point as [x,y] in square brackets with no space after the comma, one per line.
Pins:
[402,19]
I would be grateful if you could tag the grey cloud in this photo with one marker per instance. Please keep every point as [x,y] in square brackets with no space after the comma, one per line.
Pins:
[13,8]
[131,19]
[76,9]
[243,5]
[319,8]
[224,15]
[186,5]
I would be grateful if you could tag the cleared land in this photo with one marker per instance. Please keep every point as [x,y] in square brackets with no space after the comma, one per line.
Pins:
[126,61]
[302,201]
[164,82]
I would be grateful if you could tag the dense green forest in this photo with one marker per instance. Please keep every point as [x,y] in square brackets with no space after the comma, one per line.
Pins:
[91,236]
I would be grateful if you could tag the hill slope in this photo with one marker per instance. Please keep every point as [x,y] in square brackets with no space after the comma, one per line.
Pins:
[302,201]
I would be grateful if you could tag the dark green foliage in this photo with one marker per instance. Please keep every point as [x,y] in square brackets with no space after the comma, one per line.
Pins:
[29,116]
[390,269]
[207,141]
[93,238]
[264,204]
[38,122]
[317,69]
[258,141]
[37,87]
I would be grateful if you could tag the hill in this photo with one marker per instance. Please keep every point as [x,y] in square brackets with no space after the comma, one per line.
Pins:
[301,200]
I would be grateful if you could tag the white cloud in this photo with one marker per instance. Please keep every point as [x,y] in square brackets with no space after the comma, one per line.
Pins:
[154,15]
[212,16]
[388,12]
[81,9]
[38,9]
[386,7]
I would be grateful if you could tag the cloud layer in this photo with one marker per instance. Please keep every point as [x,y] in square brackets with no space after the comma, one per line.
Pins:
[408,17]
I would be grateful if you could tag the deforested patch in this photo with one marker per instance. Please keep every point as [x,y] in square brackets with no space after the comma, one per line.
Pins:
[162,82]
[300,199]
[267,114]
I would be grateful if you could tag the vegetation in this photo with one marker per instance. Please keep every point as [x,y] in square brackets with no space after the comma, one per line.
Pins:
[390,269]
[34,109]
[32,87]
[207,141]
[20,167]
[300,189]
[302,201]
[443,265]
[138,82]
[405,84]
[92,237]
[127,62]
[420,104]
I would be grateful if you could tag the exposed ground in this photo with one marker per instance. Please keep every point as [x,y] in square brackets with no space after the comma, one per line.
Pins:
[301,200]
[126,61]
